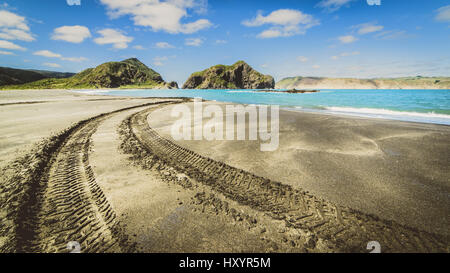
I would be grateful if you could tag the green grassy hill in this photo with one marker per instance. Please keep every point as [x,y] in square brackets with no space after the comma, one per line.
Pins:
[130,73]
[9,76]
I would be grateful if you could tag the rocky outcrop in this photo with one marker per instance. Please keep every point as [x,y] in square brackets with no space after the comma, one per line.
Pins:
[237,76]
[172,85]
[117,74]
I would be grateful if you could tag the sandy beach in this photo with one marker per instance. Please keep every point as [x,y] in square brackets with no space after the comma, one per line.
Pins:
[116,181]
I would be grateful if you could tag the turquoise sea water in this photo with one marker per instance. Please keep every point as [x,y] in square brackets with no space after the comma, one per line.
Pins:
[430,106]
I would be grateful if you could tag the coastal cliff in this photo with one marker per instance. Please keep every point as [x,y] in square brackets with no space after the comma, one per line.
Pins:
[353,83]
[239,75]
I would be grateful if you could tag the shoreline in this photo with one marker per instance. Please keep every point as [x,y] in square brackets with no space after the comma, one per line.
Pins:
[351,115]
[394,115]
[326,154]
[373,113]
[389,169]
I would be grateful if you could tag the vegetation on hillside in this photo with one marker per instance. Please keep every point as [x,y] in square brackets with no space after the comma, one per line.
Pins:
[129,73]
[238,75]
[9,76]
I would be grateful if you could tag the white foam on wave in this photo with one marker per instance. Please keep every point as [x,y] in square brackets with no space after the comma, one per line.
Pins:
[430,117]
[242,91]
[376,111]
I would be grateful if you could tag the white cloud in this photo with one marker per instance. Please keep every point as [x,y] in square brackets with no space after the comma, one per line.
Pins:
[221,42]
[195,26]
[74,59]
[345,54]
[9,45]
[160,15]
[12,20]
[6,53]
[71,34]
[392,35]
[163,45]
[114,37]
[354,53]
[50,54]
[347,39]
[16,34]
[316,66]
[368,28]
[333,5]
[193,42]
[443,14]
[14,27]
[47,53]
[285,23]
[271,33]
[51,65]
[302,59]
[158,61]
[74,2]
[139,47]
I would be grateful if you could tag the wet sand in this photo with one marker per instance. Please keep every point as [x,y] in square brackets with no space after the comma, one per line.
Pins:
[397,170]
[394,170]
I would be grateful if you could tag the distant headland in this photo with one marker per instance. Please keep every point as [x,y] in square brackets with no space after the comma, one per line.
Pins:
[417,82]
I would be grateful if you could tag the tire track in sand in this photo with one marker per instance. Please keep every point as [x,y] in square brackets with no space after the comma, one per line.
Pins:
[341,229]
[63,203]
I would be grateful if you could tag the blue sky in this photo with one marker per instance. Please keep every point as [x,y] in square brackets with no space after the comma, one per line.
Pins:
[333,38]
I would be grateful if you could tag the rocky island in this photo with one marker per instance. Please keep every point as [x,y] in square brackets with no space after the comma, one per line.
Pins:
[237,76]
